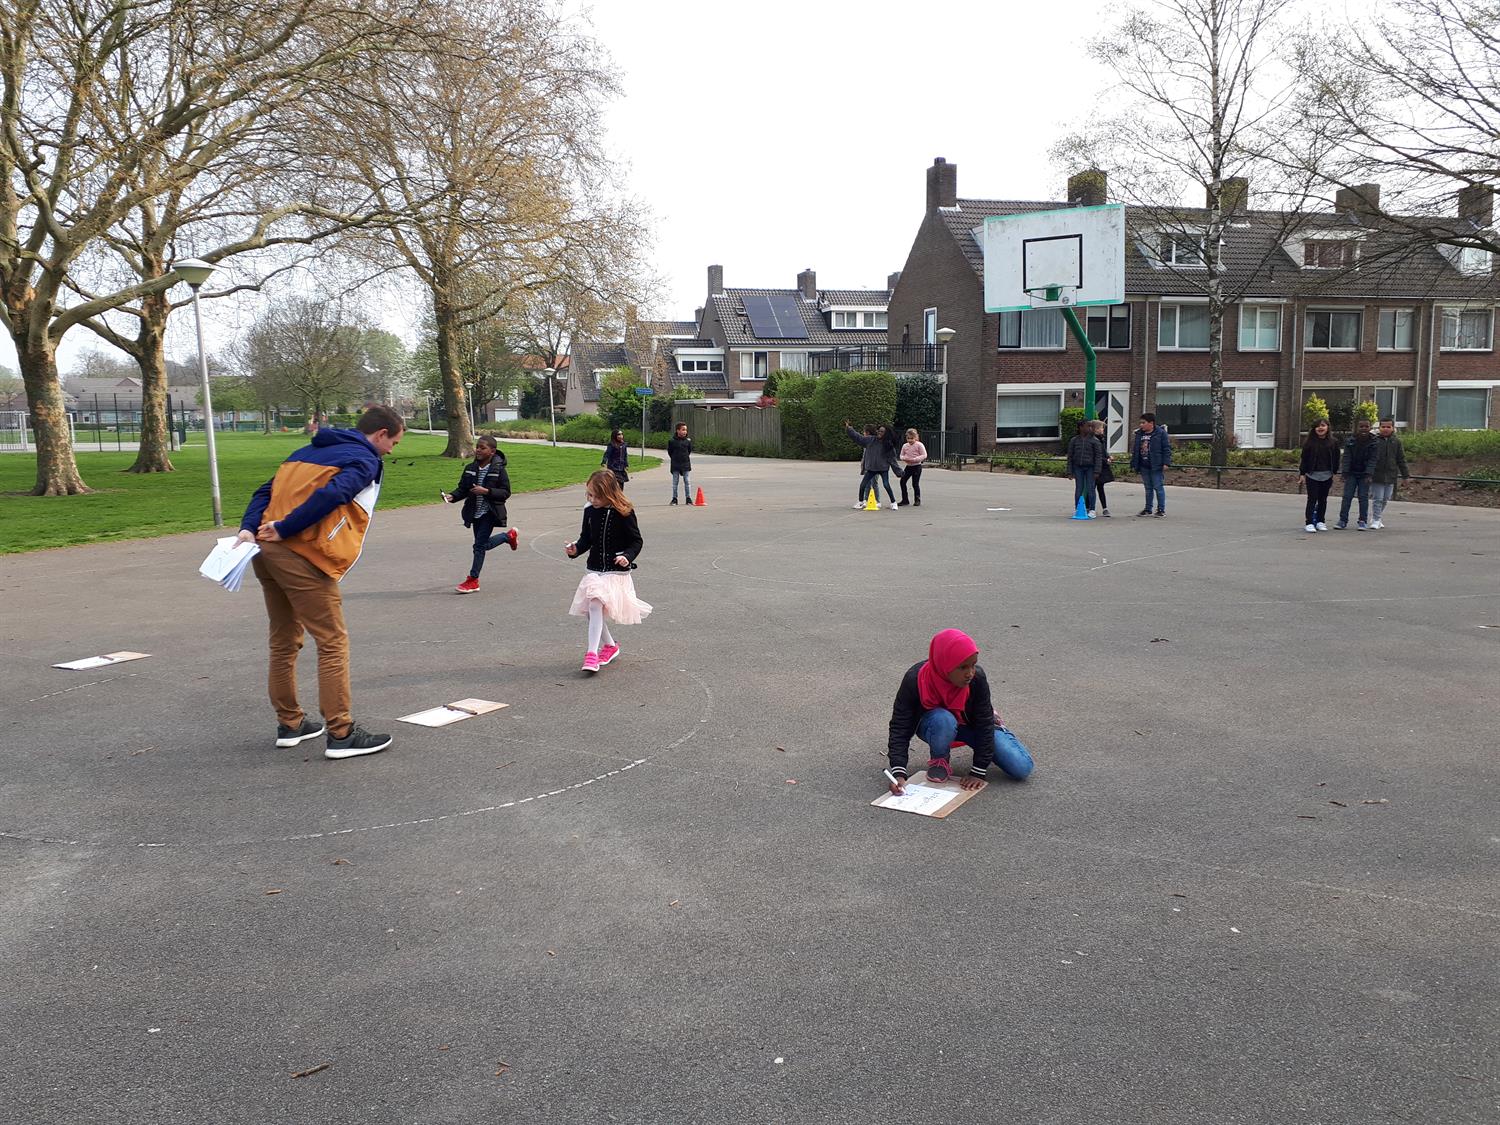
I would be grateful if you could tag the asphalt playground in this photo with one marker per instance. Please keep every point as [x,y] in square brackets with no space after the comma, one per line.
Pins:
[1251,882]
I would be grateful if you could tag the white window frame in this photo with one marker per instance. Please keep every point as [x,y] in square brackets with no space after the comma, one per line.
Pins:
[1021,322]
[1161,317]
[1380,325]
[799,362]
[1489,394]
[1309,346]
[1261,418]
[1395,399]
[1352,245]
[1454,314]
[1169,244]
[1192,435]
[1107,313]
[1258,311]
[929,325]
[1027,392]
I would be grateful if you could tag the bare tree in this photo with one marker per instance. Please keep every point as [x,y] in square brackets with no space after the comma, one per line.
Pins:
[302,349]
[1412,100]
[1204,93]
[491,151]
[87,131]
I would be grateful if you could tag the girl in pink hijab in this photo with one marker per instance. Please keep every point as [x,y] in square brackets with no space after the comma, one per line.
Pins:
[946,699]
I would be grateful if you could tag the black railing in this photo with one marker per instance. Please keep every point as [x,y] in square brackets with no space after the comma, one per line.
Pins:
[898,357]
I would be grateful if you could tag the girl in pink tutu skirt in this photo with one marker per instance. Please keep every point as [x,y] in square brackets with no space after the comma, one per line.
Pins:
[611,539]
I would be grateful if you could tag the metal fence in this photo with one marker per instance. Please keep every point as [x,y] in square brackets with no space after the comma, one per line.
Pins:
[894,357]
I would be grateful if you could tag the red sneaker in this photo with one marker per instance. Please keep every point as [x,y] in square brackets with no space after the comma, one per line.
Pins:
[512,538]
[468,586]
[938,770]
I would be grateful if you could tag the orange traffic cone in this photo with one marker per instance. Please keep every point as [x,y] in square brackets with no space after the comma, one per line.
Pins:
[698,503]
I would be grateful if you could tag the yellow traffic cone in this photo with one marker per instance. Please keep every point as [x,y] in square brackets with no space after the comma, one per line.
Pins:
[872,504]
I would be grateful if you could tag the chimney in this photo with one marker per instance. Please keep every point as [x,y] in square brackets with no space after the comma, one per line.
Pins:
[1089,188]
[1234,195]
[942,185]
[1476,202]
[1361,200]
[890,281]
[715,281]
[807,282]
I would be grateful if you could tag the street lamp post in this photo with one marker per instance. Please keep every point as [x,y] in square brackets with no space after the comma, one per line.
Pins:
[195,271]
[551,409]
[944,337]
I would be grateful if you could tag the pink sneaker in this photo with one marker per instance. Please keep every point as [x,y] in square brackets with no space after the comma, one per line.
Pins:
[591,662]
[607,654]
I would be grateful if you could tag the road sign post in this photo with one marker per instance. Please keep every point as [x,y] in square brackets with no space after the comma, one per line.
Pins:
[645,393]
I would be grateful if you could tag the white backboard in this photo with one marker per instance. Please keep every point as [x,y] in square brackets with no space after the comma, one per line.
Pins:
[1081,250]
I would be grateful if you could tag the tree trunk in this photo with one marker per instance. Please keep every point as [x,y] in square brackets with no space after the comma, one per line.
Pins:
[460,434]
[156,447]
[56,469]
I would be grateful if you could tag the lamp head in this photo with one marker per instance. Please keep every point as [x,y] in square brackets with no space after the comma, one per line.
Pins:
[194,271]
[945,335]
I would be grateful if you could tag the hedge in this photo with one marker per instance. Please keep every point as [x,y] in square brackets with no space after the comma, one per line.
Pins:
[860,396]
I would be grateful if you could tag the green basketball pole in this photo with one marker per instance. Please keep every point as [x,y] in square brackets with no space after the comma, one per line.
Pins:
[1088,352]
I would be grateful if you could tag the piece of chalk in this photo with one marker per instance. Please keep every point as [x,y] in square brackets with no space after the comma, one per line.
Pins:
[889,776]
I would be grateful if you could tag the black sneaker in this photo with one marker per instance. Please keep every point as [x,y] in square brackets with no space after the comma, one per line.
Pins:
[674,501]
[1160,514]
[938,770]
[358,741]
[291,736]
[1145,512]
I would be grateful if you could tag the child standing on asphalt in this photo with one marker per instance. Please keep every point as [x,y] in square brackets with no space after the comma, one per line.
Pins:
[1085,455]
[1390,459]
[484,488]
[1320,460]
[610,538]
[876,462]
[1358,463]
[1106,474]
[913,457]
[617,458]
[680,457]
[946,698]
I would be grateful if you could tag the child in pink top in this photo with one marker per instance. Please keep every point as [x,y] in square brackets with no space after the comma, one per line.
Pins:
[913,455]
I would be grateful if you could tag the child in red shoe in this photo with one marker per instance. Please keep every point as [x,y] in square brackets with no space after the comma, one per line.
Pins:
[610,539]
[484,488]
[946,699]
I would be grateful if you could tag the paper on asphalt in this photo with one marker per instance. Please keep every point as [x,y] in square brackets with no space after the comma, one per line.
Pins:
[926,798]
[455,712]
[102,661]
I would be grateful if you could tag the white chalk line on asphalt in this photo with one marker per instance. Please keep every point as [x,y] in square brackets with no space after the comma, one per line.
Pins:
[80,687]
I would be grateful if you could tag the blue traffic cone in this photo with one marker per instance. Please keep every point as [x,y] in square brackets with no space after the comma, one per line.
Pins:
[1082,511]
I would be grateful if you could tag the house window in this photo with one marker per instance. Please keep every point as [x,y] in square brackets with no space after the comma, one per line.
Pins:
[1109,326]
[1185,411]
[1021,417]
[1471,260]
[794,361]
[1463,408]
[1329,253]
[1177,248]
[847,319]
[1394,330]
[1265,412]
[929,326]
[700,365]
[1394,402]
[1334,330]
[1466,330]
[1183,328]
[1260,328]
[754,365]
[1034,329]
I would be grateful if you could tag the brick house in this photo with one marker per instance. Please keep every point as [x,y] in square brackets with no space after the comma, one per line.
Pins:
[639,347]
[1329,307]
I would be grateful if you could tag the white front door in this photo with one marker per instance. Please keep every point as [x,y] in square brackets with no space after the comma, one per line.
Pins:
[1113,407]
[1244,416]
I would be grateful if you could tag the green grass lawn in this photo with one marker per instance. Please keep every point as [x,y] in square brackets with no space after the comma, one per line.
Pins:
[130,506]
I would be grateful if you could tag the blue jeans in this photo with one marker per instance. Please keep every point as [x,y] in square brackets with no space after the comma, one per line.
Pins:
[687,487]
[940,729]
[1155,482]
[1083,485]
[484,541]
[869,480]
[1356,485]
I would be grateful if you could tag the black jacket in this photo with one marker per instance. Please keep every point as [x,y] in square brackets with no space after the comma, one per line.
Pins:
[1390,459]
[680,454]
[1319,456]
[617,459]
[1359,460]
[979,717]
[493,477]
[1085,452]
[605,534]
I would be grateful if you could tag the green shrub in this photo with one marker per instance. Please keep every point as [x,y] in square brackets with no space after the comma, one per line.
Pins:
[1069,418]
[1479,478]
[1368,411]
[860,396]
[1314,410]
[709,443]
[1483,445]
[919,403]
[587,428]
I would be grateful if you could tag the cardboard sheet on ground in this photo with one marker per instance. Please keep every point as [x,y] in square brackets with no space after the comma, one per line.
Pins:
[926,798]
[101,661]
[455,712]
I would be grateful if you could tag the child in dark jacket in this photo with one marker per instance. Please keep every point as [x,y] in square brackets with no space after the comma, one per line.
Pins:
[617,457]
[1106,473]
[1360,452]
[1085,458]
[875,464]
[1390,459]
[484,487]
[680,457]
[610,538]
[1320,460]
[946,698]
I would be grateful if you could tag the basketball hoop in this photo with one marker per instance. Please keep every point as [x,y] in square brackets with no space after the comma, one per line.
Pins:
[1052,296]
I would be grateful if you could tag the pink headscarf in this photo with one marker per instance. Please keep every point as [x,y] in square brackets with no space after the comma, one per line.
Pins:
[948,650]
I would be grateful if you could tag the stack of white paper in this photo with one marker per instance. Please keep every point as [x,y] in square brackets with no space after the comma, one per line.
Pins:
[227,562]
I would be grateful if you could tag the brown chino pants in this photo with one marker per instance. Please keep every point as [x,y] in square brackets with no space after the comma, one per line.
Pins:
[300,597]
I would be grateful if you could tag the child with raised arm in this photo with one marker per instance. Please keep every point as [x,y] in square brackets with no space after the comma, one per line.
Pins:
[610,539]
[944,699]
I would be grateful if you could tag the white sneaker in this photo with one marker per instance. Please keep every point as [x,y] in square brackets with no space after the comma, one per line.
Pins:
[1093,515]
[1309,527]
[1322,527]
[1378,524]
[859,507]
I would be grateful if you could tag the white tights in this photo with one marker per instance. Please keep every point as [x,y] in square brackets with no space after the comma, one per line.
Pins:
[598,630]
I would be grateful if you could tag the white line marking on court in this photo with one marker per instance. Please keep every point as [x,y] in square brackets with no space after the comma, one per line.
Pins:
[80,687]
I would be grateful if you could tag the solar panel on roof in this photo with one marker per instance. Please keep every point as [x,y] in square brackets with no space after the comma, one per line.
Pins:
[762,318]
[788,315]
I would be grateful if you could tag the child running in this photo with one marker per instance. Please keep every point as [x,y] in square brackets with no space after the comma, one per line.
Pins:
[944,699]
[611,539]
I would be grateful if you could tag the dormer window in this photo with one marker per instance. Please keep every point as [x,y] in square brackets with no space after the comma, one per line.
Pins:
[1472,260]
[859,318]
[1329,253]
[1178,248]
